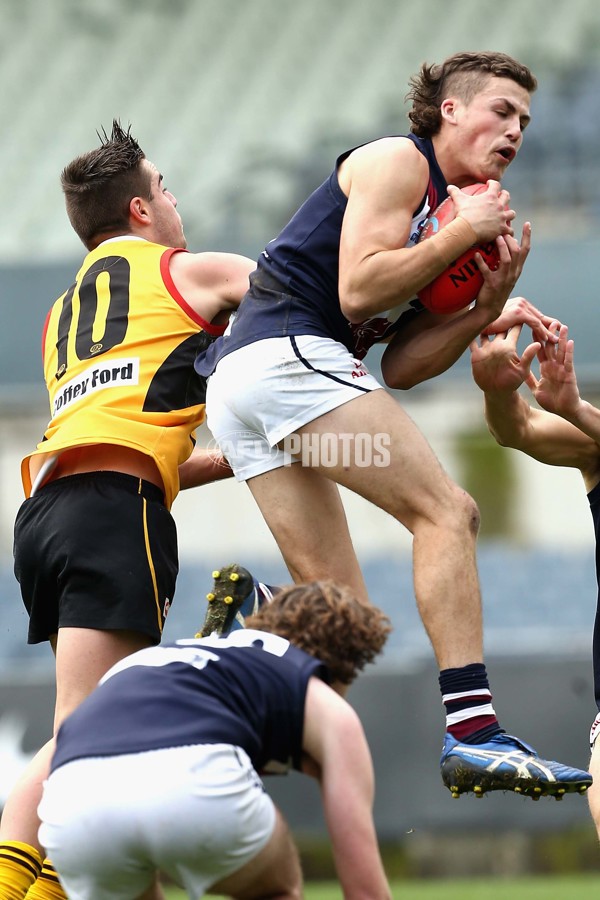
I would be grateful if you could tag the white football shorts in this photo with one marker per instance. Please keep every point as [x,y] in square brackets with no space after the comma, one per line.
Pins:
[195,813]
[262,393]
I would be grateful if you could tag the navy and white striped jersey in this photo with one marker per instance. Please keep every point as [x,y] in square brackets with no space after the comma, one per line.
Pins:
[247,689]
[294,290]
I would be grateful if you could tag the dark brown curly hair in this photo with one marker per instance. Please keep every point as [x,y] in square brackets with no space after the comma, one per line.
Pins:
[99,185]
[462,74]
[328,622]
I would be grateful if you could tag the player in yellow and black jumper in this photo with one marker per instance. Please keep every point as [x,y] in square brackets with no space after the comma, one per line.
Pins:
[95,543]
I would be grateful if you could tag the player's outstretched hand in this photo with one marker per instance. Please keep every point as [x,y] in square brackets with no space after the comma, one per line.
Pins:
[496,364]
[519,311]
[556,390]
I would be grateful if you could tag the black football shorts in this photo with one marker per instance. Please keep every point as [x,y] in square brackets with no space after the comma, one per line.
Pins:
[96,550]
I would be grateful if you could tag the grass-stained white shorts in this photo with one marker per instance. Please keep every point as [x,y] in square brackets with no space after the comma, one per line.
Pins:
[262,393]
[196,813]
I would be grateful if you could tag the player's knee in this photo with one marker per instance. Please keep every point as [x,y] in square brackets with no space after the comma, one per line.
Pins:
[472,513]
[462,512]
[445,506]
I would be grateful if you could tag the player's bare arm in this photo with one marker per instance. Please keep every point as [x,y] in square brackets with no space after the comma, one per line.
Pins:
[334,738]
[499,372]
[203,466]
[212,283]
[385,182]
[557,391]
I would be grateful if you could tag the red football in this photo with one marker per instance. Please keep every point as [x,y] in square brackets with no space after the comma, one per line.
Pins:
[460,283]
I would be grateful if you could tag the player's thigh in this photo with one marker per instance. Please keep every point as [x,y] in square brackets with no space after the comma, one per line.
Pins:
[274,871]
[83,656]
[305,514]
[383,456]
[19,821]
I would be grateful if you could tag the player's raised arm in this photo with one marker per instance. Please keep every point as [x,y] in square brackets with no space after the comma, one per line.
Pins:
[499,371]
[385,181]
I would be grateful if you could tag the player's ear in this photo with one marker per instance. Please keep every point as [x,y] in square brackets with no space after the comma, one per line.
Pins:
[139,210]
[448,109]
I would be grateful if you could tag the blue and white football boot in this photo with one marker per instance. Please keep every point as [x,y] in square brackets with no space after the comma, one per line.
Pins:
[506,763]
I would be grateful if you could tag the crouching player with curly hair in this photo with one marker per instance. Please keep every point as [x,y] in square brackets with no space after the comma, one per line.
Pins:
[159,769]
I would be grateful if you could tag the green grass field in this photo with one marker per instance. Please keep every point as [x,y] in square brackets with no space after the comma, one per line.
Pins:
[559,887]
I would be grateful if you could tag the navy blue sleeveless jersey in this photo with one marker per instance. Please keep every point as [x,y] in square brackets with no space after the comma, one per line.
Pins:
[294,289]
[594,499]
[247,689]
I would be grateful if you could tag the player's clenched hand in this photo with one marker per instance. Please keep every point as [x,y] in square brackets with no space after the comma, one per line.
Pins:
[487,213]
[500,283]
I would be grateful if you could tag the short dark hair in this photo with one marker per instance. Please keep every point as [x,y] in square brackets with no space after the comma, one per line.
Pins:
[99,185]
[462,74]
[328,622]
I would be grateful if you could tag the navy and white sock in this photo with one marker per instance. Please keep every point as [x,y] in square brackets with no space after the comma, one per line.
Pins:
[470,716]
